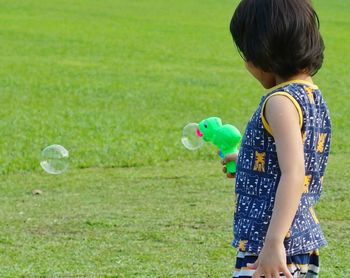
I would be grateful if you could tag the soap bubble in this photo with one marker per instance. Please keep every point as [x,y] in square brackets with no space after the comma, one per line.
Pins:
[191,137]
[54,159]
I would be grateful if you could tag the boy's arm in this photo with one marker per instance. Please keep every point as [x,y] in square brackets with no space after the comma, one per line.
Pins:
[283,119]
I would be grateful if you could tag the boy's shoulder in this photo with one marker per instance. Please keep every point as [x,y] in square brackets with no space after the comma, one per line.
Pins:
[295,86]
[301,91]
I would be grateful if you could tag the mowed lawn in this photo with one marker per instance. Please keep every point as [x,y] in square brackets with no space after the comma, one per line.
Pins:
[115,82]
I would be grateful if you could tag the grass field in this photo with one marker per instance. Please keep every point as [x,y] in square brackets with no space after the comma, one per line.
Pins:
[114,82]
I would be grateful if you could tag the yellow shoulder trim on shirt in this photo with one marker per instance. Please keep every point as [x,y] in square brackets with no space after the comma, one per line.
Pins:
[307,83]
[292,99]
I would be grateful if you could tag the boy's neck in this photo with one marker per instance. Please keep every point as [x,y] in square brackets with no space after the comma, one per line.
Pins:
[300,76]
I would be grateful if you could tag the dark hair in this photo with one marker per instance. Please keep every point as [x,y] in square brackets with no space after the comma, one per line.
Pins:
[278,36]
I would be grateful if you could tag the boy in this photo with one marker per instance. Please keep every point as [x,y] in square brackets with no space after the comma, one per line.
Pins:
[285,147]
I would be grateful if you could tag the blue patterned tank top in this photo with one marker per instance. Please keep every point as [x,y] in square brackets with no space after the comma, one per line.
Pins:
[258,173]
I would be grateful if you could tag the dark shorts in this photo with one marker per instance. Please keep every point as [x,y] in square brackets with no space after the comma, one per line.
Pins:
[300,266]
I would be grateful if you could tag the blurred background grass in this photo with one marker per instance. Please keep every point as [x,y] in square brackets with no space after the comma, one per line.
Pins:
[115,82]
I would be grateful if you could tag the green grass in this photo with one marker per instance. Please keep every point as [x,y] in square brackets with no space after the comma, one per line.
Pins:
[91,222]
[114,82]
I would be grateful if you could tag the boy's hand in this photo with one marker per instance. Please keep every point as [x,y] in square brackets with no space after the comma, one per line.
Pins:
[228,158]
[271,262]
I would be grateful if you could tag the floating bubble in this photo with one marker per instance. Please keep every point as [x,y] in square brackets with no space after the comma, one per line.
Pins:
[54,159]
[191,137]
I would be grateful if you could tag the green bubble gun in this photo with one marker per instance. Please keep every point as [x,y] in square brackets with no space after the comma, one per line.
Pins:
[225,137]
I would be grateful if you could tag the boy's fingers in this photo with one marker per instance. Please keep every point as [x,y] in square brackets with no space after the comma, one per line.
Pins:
[253,265]
[257,274]
[229,175]
[230,157]
[287,272]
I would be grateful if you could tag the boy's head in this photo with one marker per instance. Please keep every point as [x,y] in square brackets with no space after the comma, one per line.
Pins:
[278,36]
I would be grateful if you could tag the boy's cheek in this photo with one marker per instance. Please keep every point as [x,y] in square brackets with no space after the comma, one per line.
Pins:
[267,79]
